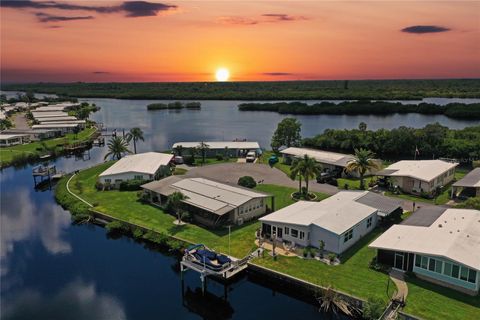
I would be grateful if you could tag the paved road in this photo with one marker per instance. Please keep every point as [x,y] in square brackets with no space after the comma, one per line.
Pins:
[21,122]
[230,172]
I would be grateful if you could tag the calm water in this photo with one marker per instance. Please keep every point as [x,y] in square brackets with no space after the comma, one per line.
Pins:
[221,120]
[53,270]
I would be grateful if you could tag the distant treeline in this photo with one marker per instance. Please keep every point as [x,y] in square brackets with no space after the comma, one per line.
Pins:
[452,110]
[280,90]
[174,106]
[432,141]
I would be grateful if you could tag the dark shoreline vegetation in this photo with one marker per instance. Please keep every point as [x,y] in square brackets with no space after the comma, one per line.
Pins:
[432,141]
[280,90]
[177,105]
[367,107]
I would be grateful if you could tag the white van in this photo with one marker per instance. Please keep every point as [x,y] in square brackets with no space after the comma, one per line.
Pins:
[251,156]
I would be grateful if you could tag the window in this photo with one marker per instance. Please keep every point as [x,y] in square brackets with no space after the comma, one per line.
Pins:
[287,230]
[302,234]
[348,235]
[431,264]
[108,180]
[369,222]
[448,269]
[294,233]
[138,177]
[464,273]
[424,262]
[472,276]
[438,266]
[418,260]
[455,271]
[261,202]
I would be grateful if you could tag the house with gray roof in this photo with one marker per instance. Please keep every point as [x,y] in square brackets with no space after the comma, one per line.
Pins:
[211,203]
[339,221]
[468,186]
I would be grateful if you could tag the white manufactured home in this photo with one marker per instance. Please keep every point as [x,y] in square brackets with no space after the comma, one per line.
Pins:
[143,166]
[339,221]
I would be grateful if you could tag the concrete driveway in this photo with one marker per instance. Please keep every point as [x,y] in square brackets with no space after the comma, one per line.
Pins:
[231,172]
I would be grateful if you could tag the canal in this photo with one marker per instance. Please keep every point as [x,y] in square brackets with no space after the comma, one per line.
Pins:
[51,269]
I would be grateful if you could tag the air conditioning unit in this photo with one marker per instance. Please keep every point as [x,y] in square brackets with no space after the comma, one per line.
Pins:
[240,221]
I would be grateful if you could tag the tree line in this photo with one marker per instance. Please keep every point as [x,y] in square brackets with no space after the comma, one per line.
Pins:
[431,141]
[274,90]
[367,107]
[174,106]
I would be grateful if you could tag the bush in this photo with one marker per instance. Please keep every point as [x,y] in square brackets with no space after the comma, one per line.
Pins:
[306,251]
[331,257]
[131,185]
[99,186]
[137,233]
[373,309]
[219,156]
[158,238]
[346,186]
[117,227]
[247,182]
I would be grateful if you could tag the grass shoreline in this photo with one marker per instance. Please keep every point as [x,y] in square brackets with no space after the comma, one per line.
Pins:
[352,277]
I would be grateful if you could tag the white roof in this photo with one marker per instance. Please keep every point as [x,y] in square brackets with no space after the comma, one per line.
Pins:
[11,136]
[37,115]
[50,108]
[455,235]
[63,122]
[214,196]
[337,213]
[64,118]
[56,125]
[425,170]
[147,163]
[220,144]
[328,157]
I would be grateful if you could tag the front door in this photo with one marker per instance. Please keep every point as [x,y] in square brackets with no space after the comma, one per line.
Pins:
[399,261]
[279,232]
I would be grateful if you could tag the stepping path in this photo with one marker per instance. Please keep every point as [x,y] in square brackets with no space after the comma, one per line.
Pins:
[402,288]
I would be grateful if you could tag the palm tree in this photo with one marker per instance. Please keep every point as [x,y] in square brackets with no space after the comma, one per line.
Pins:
[179,150]
[135,134]
[117,146]
[363,161]
[175,203]
[309,169]
[295,169]
[203,147]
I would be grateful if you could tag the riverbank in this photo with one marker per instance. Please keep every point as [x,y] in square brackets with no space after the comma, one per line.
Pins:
[31,152]
[281,90]
[353,276]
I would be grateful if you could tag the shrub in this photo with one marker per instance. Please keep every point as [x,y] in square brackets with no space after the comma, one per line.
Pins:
[346,186]
[306,251]
[247,182]
[131,185]
[137,233]
[373,309]
[331,257]
[174,245]
[219,156]
[158,238]
[99,186]
[117,227]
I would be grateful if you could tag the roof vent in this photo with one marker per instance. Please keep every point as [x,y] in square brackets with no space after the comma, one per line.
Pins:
[440,225]
[451,232]
[458,230]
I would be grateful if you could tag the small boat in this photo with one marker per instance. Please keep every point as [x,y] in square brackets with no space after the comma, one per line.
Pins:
[203,256]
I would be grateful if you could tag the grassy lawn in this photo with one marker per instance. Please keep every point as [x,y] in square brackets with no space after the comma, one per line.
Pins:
[179,171]
[279,165]
[209,161]
[125,205]
[353,183]
[353,276]
[37,147]
[430,301]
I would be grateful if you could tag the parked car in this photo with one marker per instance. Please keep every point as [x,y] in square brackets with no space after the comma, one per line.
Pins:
[251,156]
[325,177]
[178,160]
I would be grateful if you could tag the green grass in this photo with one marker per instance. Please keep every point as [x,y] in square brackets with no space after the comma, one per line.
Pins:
[353,183]
[125,205]
[285,168]
[209,161]
[353,276]
[179,171]
[7,154]
[430,301]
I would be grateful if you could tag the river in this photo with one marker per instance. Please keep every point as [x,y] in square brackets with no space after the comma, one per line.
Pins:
[53,270]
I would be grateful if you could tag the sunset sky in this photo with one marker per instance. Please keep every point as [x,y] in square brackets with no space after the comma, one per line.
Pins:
[97,41]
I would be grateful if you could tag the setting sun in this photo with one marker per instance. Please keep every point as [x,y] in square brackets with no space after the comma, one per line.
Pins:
[222,74]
